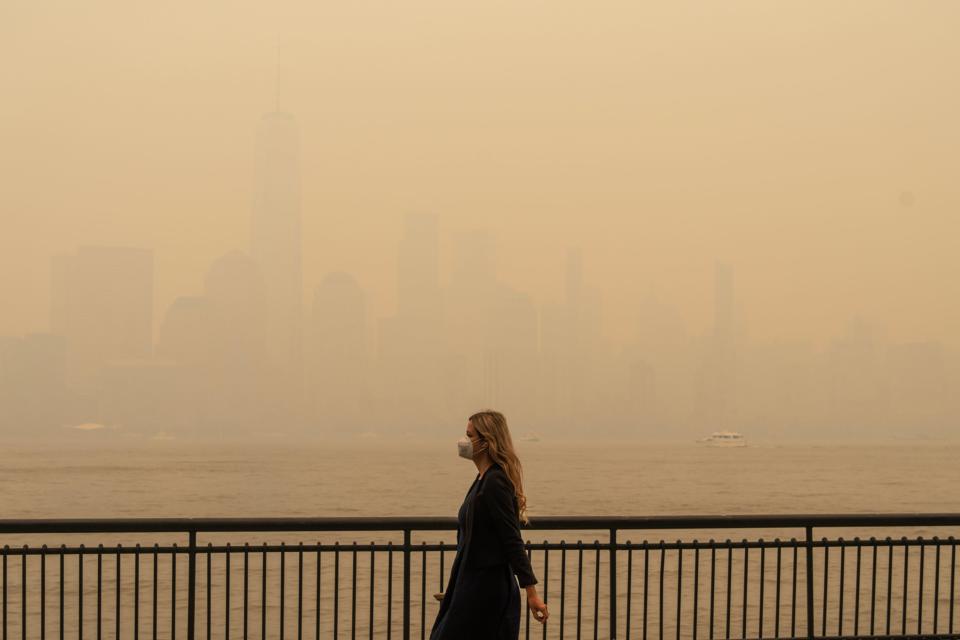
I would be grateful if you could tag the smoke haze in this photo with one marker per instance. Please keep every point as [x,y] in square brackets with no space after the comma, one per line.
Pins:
[618,219]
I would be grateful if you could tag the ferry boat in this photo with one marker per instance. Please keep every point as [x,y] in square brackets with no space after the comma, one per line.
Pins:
[724,439]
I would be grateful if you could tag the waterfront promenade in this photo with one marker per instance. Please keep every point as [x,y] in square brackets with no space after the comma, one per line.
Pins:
[717,576]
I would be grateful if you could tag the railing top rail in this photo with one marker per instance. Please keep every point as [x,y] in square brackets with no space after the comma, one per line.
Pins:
[444,523]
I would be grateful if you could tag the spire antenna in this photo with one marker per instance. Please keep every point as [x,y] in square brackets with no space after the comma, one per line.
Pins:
[278,75]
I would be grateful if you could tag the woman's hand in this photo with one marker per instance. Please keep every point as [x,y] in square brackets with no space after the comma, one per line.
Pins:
[538,607]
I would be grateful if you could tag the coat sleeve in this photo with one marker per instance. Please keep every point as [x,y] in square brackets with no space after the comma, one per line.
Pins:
[499,498]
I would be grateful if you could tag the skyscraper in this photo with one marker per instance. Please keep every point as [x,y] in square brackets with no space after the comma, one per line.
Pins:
[217,348]
[569,346]
[276,246]
[410,344]
[723,306]
[468,302]
[337,369]
[718,383]
[235,370]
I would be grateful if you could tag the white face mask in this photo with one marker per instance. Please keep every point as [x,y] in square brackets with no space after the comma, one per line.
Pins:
[465,448]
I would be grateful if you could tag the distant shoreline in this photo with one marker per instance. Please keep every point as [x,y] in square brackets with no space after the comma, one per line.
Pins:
[116,439]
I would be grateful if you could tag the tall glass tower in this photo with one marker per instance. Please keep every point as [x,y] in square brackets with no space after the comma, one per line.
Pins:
[276,246]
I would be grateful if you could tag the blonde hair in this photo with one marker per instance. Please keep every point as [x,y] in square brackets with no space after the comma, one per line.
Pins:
[492,427]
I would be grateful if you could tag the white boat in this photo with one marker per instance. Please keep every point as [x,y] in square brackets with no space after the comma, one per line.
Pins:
[724,439]
[530,437]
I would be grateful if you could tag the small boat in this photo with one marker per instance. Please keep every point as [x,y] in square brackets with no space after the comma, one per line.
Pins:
[91,426]
[88,426]
[724,439]
[530,437]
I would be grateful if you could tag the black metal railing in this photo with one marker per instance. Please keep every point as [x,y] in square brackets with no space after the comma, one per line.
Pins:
[689,583]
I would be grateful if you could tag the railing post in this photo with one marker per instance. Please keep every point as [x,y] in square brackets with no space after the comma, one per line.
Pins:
[613,584]
[191,583]
[406,584]
[810,582]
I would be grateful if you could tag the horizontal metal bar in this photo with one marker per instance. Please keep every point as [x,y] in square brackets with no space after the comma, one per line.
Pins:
[911,636]
[237,549]
[535,546]
[434,523]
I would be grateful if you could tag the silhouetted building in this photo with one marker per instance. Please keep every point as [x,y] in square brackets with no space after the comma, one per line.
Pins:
[338,365]
[855,397]
[718,377]
[511,357]
[723,306]
[569,352]
[102,303]
[211,355]
[184,335]
[469,379]
[661,367]
[236,365]
[410,343]
[491,336]
[185,343]
[275,243]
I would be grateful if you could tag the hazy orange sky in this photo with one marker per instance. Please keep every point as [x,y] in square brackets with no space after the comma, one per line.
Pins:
[815,146]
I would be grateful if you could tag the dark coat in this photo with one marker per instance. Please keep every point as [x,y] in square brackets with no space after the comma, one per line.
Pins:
[480,603]
[492,533]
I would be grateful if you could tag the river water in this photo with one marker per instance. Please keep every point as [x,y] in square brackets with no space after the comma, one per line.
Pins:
[379,477]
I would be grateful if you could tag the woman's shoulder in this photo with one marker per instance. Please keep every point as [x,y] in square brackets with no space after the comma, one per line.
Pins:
[496,476]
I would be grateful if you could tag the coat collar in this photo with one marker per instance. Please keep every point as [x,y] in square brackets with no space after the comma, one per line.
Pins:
[493,465]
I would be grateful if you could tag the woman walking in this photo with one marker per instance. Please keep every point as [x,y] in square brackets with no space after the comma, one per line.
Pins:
[482,599]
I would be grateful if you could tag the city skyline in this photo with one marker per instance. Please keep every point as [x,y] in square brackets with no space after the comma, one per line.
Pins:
[475,342]
[252,349]
[833,198]
[726,239]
